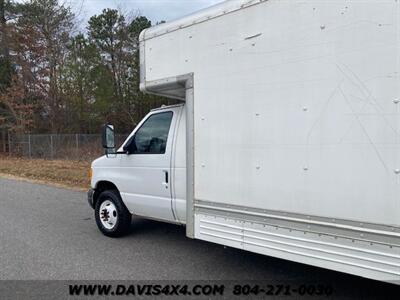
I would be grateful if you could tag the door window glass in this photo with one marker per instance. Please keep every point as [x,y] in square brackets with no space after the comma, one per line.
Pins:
[151,138]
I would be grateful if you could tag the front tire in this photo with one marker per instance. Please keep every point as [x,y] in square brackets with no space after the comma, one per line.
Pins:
[112,217]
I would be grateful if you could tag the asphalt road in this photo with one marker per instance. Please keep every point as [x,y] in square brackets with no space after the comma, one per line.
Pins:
[50,233]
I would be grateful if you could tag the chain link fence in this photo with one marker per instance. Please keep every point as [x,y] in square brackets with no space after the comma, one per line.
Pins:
[56,146]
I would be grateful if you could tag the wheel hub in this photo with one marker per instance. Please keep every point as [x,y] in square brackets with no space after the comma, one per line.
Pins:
[108,214]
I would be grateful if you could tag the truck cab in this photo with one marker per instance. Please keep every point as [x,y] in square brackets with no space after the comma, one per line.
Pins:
[146,176]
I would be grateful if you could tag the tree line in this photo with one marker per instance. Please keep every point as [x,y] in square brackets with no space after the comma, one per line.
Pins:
[55,78]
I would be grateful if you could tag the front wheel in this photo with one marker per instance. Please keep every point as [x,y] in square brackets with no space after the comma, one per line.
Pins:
[112,217]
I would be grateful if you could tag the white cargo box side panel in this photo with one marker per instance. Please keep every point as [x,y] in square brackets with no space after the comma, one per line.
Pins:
[297,127]
[295,106]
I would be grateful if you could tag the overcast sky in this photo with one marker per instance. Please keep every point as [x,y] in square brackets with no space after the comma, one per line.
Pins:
[155,10]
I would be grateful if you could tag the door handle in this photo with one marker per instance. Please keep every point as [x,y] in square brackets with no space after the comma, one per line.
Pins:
[166,179]
[166,176]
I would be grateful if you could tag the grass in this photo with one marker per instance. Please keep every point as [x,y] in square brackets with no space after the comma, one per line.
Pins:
[73,174]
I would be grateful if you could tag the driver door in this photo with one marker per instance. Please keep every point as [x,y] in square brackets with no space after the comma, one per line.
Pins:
[145,169]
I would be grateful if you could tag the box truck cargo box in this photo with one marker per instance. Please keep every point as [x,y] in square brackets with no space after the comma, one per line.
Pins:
[287,142]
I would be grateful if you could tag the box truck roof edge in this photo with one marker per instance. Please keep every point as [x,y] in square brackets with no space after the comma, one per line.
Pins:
[203,15]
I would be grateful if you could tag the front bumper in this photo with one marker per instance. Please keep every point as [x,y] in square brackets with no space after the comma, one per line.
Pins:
[90,194]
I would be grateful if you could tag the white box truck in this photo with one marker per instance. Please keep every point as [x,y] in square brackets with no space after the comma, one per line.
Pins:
[287,141]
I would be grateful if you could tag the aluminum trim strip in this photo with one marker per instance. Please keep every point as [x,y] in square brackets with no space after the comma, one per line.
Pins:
[306,221]
[306,255]
[304,247]
[302,240]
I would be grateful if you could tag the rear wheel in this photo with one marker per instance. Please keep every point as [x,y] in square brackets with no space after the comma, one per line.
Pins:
[112,217]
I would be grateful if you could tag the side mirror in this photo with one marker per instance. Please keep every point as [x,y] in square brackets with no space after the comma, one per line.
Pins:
[108,138]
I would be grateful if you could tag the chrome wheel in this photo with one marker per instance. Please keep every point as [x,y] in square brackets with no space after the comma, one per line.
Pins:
[108,214]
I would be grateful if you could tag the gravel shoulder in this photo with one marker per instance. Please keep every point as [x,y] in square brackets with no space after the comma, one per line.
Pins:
[62,173]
